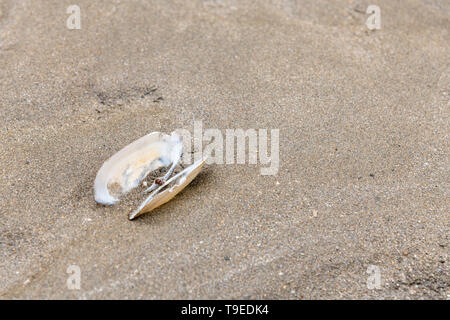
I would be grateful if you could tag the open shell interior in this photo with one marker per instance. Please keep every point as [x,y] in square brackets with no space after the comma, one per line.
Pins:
[126,169]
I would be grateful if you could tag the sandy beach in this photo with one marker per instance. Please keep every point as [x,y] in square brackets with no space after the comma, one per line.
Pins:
[363,120]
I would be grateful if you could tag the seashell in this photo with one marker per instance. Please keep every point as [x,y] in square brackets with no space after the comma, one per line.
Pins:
[127,168]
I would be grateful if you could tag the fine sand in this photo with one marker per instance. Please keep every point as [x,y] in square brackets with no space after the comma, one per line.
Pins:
[363,179]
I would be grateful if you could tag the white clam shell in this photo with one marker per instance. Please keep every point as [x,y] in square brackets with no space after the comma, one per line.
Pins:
[128,167]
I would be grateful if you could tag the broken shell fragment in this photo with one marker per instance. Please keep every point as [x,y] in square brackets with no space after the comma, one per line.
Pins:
[169,189]
[127,168]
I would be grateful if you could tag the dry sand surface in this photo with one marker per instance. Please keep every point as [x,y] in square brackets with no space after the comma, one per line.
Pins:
[364,139]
